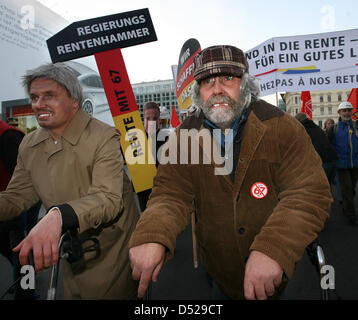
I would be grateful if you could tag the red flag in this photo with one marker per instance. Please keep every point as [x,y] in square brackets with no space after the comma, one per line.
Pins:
[353,99]
[306,104]
[175,120]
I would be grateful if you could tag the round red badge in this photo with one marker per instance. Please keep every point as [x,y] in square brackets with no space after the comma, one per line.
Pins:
[259,190]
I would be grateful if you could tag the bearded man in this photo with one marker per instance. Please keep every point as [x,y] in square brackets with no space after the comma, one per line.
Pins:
[254,221]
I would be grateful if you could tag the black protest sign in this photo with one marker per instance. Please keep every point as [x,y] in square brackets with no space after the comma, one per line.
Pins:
[104,37]
[87,37]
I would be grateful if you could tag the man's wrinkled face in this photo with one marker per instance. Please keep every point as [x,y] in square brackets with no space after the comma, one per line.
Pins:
[150,116]
[220,99]
[345,114]
[53,107]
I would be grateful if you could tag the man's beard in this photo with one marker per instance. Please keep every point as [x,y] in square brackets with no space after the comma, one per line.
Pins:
[222,117]
[346,118]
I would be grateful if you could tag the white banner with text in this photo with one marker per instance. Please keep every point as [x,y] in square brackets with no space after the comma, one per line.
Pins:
[324,61]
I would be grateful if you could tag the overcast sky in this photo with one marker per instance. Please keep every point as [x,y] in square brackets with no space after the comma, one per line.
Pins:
[244,24]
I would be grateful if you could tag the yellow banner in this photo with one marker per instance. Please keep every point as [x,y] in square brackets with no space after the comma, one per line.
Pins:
[139,158]
[184,99]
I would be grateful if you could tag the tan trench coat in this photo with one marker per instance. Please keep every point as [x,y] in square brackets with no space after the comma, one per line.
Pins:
[85,170]
[231,222]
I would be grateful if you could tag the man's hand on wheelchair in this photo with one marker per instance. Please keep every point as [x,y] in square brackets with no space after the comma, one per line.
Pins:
[43,240]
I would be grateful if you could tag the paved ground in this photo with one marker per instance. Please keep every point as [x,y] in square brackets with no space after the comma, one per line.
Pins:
[179,280]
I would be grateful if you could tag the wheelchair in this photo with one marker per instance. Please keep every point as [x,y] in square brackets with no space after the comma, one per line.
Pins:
[72,248]
[318,259]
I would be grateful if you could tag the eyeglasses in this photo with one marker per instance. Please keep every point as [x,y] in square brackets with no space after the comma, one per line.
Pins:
[227,81]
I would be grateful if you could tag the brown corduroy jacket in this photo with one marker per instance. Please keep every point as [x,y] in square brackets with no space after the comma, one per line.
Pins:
[231,222]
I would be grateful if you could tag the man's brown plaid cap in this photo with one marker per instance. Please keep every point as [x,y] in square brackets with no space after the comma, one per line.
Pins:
[219,60]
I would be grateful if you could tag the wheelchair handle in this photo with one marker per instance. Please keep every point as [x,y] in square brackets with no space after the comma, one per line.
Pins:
[320,256]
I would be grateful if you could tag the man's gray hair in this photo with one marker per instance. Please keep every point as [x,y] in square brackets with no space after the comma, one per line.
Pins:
[249,92]
[58,72]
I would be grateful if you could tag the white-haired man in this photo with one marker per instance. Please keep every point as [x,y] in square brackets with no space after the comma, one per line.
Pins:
[73,164]
[253,223]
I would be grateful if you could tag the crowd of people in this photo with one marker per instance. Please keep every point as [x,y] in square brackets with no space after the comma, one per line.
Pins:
[253,220]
